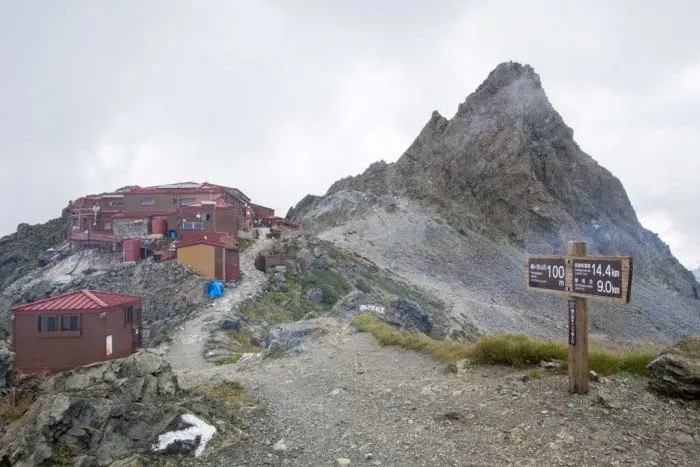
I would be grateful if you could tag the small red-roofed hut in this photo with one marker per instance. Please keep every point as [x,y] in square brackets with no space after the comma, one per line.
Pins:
[75,329]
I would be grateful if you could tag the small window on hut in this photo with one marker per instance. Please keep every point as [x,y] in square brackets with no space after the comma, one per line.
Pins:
[208,217]
[148,201]
[47,324]
[129,315]
[70,323]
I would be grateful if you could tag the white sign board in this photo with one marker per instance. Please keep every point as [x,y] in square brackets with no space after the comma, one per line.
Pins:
[109,345]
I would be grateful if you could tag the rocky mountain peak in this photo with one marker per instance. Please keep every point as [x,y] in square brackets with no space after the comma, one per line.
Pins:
[506,166]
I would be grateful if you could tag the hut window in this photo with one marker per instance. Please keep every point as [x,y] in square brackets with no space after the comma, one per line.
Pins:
[129,315]
[208,217]
[193,225]
[48,324]
[70,323]
[108,226]
[148,201]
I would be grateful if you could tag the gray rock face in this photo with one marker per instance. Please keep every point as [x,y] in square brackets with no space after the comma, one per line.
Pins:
[7,359]
[289,336]
[676,371]
[409,315]
[232,323]
[101,413]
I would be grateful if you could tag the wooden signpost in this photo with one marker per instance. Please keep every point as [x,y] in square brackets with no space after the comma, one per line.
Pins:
[580,276]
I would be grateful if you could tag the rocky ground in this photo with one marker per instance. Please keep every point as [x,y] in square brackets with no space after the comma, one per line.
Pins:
[187,345]
[346,397]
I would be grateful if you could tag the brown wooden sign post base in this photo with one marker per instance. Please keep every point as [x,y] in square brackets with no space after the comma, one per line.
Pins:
[578,333]
[580,276]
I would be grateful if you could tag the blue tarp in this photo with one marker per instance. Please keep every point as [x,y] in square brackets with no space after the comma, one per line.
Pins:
[215,289]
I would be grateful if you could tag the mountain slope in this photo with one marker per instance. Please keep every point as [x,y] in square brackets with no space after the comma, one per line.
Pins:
[20,251]
[502,176]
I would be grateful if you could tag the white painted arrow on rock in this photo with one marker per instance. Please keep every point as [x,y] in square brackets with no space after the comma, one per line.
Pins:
[198,427]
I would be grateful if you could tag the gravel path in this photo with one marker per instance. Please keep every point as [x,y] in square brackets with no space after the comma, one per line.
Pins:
[346,397]
[186,353]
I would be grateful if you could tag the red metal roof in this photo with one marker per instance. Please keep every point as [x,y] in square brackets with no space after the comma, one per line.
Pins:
[79,300]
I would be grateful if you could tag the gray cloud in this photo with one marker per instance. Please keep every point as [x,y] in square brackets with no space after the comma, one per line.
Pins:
[282,98]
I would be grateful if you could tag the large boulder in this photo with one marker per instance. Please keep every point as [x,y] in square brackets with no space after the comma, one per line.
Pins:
[289,336]
[99,413]
[676,371]
[232,322]
[409,315]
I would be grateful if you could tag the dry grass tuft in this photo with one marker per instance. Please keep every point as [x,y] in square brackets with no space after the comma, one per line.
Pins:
[13,405]
[229,392]
[504,349]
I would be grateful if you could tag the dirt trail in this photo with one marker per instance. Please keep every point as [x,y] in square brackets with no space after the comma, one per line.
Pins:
[186,353]
[346,397]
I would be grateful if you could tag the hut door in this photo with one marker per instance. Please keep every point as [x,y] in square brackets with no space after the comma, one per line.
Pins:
[232,266]
[219,263]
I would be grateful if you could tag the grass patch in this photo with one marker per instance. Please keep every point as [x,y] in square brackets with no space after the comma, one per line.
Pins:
[446,351]
[451,368]
[533,373]
[607,363]
[229,392]
[504,349]
[228,360]
[294,304]
[13,405]
[507,349]
[333,285]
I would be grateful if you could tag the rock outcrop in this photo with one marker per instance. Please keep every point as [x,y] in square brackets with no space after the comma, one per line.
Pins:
[19,251]
[409,315]
[6,361]
[100,413]
[676,371]
[289,336]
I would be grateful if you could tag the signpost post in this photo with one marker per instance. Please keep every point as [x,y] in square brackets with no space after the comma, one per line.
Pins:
[580,276]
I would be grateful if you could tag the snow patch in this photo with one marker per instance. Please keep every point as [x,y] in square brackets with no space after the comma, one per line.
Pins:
[198,428]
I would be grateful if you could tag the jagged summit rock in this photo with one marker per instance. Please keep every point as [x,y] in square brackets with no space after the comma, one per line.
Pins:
[506,166]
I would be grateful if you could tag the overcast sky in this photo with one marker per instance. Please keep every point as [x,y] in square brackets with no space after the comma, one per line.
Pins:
[282,98]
